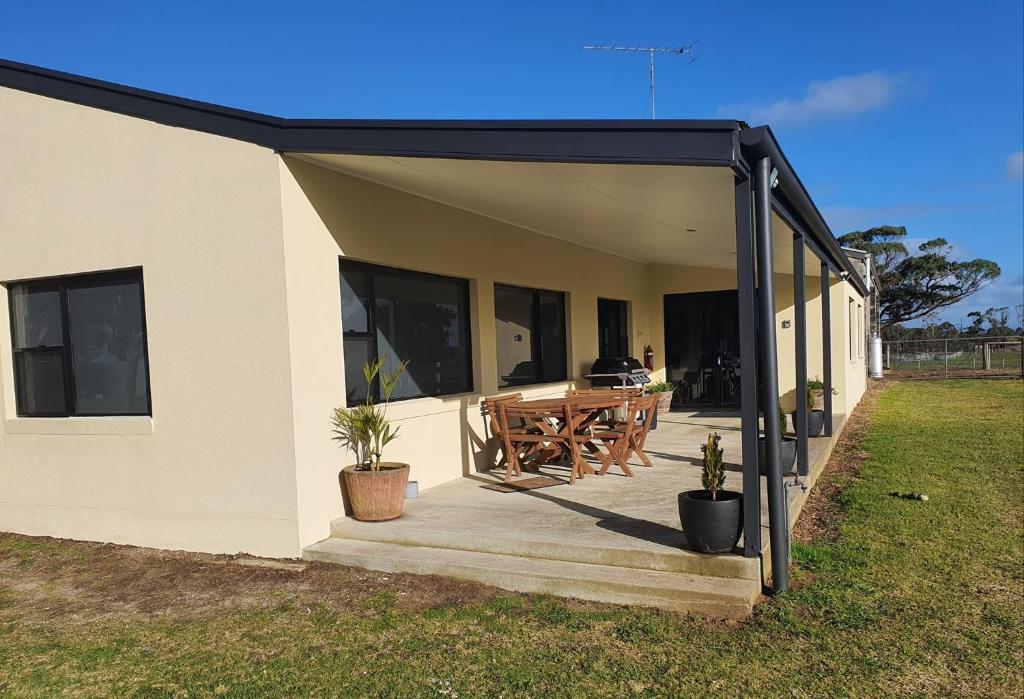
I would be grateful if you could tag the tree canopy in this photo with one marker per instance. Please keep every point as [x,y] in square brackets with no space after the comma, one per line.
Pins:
[913,285]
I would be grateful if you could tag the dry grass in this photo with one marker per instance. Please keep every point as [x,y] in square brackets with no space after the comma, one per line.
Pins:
[821,513]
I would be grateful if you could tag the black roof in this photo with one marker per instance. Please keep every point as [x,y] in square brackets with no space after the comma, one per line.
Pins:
[712,142]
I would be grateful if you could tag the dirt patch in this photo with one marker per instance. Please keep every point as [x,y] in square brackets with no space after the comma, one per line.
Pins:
[92,580]
[820,516]
[953,373]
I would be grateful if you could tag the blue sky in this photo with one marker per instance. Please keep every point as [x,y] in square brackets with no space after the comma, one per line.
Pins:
[907,113]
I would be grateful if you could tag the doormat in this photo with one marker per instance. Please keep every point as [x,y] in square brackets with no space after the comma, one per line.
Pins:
[523,485]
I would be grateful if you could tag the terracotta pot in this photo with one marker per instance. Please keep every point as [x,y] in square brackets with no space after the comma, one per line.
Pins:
[376,496]
[664,401]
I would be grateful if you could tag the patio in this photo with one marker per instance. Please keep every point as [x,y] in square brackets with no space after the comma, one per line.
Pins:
[607,538]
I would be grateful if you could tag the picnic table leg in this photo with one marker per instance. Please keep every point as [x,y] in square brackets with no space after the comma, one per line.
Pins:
[619,454]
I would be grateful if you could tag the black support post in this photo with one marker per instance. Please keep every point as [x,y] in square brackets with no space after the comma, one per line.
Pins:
[826,346]
[778,527]
[800,334]
[748,368]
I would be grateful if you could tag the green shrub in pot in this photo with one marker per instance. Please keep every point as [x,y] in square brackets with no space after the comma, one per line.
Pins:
[664,391]
[374,490]
[712,518]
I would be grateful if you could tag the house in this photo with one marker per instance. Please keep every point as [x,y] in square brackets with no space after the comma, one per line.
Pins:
[193,288]
[865,266]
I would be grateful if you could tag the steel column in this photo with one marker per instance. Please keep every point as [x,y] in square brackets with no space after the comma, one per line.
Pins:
[800,334]
[778,527]
[748,368]
[826,345]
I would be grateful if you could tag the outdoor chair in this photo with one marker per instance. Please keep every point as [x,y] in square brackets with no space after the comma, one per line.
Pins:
[489,407]
[554,427]
[624,394]
[625,391]
[626,437]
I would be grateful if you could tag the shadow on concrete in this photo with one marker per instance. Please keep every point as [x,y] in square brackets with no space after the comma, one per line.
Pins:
[692,460]
[641,529]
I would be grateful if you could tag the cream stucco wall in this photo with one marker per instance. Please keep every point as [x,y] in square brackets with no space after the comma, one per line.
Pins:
[329,214]
[84,190]
[239,249]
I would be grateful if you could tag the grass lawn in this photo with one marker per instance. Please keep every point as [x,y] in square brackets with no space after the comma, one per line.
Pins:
[902,597]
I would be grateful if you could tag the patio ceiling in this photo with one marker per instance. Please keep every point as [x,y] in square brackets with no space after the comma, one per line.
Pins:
[671,214]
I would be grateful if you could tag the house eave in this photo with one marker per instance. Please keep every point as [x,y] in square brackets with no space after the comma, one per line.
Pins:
[708,142]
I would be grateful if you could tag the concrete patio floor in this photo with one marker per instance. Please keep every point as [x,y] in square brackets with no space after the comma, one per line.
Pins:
[601,523]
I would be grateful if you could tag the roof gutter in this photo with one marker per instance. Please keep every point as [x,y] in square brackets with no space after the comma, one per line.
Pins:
[760,142]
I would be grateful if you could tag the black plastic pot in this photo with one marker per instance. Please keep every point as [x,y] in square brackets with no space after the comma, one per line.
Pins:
[711,526]
[787,454]
[815,422]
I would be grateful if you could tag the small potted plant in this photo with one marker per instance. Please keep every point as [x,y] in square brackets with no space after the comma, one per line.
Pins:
[712,518]
[664,391]
[374,489]
[816,393]
[787,448]
[815,407]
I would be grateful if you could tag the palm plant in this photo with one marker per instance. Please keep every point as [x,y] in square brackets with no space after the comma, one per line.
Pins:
[364,429]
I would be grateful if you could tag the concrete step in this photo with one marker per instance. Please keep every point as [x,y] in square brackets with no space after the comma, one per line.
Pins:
[681,592]
[631,553]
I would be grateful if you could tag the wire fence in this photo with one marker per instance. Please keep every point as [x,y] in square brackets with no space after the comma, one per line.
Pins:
[954,357]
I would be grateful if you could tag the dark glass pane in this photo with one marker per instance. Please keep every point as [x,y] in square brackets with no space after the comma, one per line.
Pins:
[702,347]
[612,328]
[513,321]
[423,319]
[358,351]
[552,335]
[108,347]
[355,300]
[40,382]
[36,314]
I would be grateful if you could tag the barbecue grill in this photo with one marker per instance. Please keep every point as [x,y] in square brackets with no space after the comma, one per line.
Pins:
[617,372]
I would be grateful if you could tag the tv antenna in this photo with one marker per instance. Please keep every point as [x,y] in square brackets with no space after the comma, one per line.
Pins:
[684,50]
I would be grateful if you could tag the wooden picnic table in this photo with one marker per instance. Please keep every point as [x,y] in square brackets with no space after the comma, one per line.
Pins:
[589,409]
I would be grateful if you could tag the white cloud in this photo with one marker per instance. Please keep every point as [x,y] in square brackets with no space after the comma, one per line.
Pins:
[1015,166]
[842,96]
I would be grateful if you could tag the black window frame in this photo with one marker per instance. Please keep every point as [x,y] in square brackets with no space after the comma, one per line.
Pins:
[466,330]
[62,284]
[536,348]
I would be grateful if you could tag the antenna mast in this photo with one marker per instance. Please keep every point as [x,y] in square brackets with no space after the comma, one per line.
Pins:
[684,50]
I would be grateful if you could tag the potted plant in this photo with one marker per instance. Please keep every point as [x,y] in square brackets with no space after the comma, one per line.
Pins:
[787,448]
[815,407]
[712,518]
[375,489]
[664,391]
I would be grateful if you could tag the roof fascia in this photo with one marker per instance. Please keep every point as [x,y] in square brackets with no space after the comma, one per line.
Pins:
[792,197]
[671,142]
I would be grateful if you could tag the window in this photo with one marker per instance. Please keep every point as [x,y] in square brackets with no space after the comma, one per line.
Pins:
[860,331]
[399,315]
[530,328]
[851,308]
[80,345]
[612,328]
